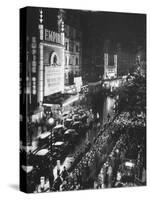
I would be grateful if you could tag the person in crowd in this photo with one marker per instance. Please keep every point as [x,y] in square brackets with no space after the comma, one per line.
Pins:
[57,183]
[109,172]
[50,175]
[108,117]
[64,173]
[43,186]
[84,158]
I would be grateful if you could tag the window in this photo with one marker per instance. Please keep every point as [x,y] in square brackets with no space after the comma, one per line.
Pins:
[66,60]
[70,61]
[77,61]
[70,46]
[54,59]
[77,48]
[66,45]
[111,60]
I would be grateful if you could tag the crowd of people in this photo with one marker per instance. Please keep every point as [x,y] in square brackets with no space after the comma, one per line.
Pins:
[100,163]
[115,144]
[84,174]
[129,147]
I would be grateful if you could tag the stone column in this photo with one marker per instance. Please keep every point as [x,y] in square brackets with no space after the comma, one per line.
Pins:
[40,64]
[63,55]
[40,75]
[115,64]
[105,64]
[60,23]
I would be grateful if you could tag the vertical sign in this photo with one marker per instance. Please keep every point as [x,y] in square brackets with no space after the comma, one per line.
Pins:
[34,64]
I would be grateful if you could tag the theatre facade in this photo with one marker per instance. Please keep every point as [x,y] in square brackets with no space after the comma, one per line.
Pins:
[45,67]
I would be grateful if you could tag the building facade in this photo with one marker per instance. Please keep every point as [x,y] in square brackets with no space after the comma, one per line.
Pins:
[110,66]
[53,59]
[73,47]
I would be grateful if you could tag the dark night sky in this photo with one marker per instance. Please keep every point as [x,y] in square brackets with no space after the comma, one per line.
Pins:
[121,28]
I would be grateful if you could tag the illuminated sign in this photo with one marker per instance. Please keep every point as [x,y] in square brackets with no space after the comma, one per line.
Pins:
[70,89]
[78,83]
[53,80]
[111,71]
[52,36]
[34,64]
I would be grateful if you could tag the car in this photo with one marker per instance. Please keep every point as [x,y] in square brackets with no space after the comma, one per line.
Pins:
[58,132]
[71,136]
[60,149]
[68,122]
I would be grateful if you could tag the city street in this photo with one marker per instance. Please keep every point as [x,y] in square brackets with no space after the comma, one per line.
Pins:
[83,100]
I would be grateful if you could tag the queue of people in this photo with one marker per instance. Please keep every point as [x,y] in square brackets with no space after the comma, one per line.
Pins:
[81,176]
[100,163]
[113,168]
[120,168]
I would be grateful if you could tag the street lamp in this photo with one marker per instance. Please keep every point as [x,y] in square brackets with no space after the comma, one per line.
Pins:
[51,122]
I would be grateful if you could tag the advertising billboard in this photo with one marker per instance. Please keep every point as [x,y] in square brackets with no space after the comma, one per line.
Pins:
[53,80]
[111,72]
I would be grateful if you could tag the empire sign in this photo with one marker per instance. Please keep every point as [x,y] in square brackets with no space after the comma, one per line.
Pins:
[52,36]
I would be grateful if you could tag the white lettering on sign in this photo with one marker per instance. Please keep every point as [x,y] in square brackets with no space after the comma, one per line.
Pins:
[52,36]
[53,80]
[34,64]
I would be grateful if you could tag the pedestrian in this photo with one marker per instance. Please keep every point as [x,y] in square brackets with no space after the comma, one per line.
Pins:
[57,183]
[109,172]
[108,117]
[64,173]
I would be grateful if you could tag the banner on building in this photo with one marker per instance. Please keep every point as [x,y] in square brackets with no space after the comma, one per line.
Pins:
[78,83]
[53,80]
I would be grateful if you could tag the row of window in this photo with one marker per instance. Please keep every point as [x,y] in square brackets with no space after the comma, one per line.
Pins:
[70,46]
[71,60]
[72,33]
[69,77]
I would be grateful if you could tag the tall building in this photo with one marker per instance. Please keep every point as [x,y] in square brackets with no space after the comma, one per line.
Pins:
[53,57]
[110,66]
[73,47]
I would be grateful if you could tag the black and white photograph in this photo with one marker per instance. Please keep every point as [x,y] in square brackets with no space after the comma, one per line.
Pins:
[82,100]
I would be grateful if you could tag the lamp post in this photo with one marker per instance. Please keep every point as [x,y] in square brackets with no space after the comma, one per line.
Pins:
[51,122]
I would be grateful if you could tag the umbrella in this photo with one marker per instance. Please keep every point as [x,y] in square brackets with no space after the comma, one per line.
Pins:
[76,123]
[44,135]
[59,143]
[59,126]
[42,152]
[69,120]
[27,169]
[66,113]
[71,131]
[76,115]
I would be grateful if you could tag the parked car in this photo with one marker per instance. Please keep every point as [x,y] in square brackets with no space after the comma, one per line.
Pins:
[58,132]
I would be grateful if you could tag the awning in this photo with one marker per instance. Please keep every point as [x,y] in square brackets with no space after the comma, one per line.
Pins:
[70,100]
